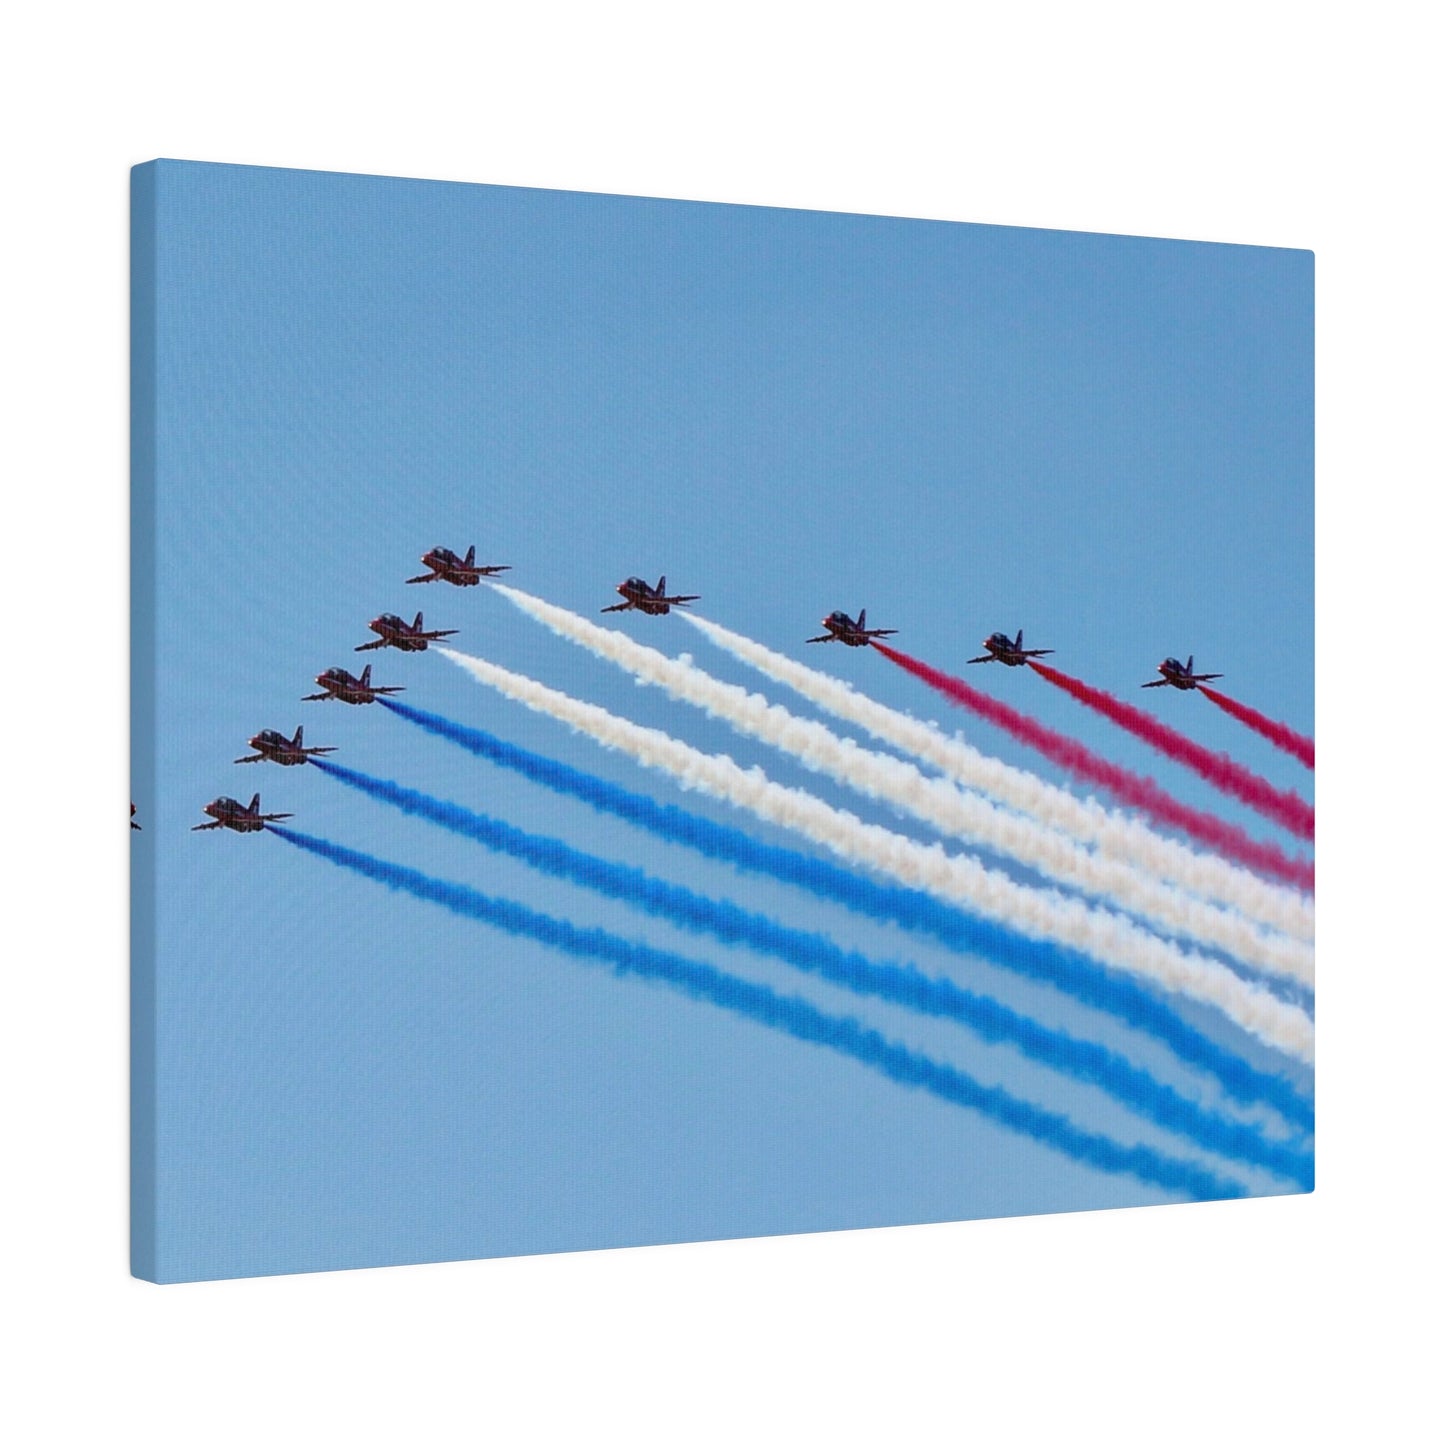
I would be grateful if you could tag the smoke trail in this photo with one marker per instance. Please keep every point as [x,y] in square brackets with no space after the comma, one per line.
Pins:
[1112,940]
[1295,744]
[1064,969]
[792,1016]
[1115,834]
[1129,788]
[898,983]
[1289,810]
[933,800]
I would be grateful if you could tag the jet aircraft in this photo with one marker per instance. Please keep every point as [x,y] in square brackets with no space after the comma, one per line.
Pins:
[274,747]
[1009,651]
[133,822]
[1181,675]
[842,628]
[228,813]
[392,631]
[446,566]
[645,598]
[340,684]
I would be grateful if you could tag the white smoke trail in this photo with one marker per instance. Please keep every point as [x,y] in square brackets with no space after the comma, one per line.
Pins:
[1114,834]
[935,800]
[1112,940]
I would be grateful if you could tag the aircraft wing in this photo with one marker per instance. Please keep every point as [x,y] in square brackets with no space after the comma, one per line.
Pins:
[1163,682]
[433,636]
[202,827]
[316,697]
[370,646]
[826,637]
[259,758]
[618,607]
[987,657]
[430,577]
[1039,652]
[882,632]
[1207,676]
[678,601]
[379,691]
[490,571]
[275,817]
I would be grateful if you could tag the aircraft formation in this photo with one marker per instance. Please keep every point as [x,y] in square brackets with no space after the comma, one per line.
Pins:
[444,565]
[337,683]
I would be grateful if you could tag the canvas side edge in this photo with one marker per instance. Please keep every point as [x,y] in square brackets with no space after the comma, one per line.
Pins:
[143,1260]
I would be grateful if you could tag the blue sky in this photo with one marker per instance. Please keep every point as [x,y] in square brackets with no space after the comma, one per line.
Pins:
[1106,441]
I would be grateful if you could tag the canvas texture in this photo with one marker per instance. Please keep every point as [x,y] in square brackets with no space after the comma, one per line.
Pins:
[754,819]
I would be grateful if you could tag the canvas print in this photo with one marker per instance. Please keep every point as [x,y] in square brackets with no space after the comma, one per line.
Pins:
[657,721]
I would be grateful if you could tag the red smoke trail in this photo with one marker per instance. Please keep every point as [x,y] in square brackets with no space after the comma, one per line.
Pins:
[1129,788]
[1289,810]
[1296,744]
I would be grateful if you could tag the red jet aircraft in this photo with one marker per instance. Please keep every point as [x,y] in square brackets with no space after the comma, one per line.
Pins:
[1181,675]
[842,628]
[274,747]
[1009,651]
[340,684]
[446,566]
[228,813]
[392,631]
[645,598]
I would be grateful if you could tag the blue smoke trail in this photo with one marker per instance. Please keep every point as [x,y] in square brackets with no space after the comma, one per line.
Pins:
[788,1015]
[1049,963]
[899,983]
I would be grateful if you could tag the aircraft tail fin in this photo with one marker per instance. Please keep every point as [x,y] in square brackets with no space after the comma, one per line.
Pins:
[1189,666]
[1019,641]
[416,626]
[662,585]
[255,804]
[862,618]
[472,554]
[366,675]
[296,741]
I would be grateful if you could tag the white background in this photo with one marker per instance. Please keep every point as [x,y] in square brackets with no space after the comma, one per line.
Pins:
[1262,123]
